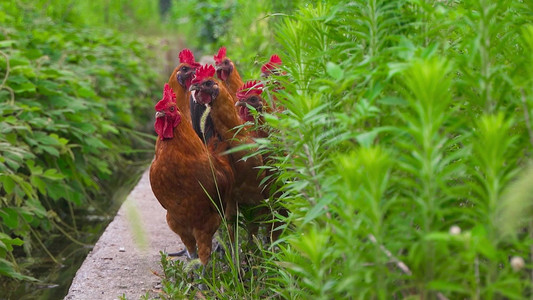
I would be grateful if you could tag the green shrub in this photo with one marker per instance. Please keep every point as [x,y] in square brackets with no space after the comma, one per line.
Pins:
[72,100]
[403,152]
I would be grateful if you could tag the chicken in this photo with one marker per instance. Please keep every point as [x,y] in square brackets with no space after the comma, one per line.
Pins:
[249,95]
[180,81]
[227,72]
[190,180]
[271,67]
[247,190]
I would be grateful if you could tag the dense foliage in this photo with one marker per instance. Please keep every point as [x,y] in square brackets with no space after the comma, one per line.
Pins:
[126,15]
[244,27]
[72,102]
[403,153]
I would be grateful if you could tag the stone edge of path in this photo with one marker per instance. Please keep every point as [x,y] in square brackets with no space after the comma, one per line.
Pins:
[126,258]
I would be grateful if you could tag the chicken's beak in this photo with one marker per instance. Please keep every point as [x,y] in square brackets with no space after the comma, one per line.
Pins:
[159,114]
[240,103]
[264,75]
[217,67]
[193,88]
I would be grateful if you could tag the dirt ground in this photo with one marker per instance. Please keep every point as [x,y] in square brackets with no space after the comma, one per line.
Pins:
[126,258]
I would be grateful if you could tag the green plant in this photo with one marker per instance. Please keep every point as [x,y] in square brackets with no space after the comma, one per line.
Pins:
[72,101]
[403,151]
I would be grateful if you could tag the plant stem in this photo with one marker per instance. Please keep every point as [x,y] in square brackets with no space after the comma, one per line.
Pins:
[526,116]
[69,236]
[7,69]
[2,85]
[400,264]
[531,256]
[42,245]
[485,57]
[476,274]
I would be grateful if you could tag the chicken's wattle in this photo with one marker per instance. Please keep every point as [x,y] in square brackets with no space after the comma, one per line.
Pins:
[188,82]
[222,74]
[202,97]
[164,126]
[245,115]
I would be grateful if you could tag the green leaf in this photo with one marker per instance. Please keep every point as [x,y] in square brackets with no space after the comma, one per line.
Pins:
[334,71]
[46,139]
[17,242]
[35,170]
[8,183]
[10,217]
[56,190]
[438,285]
[7,269]
[366,139]
[53,174]
[35,208]
[109,128]
[50,150]
[7,43]
[37,182]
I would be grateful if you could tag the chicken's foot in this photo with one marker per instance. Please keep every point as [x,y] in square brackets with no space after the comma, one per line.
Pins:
[179,253]
[183,252]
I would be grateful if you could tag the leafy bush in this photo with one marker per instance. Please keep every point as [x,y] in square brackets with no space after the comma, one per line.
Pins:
[244,27]
[72,100]
[204,21]
[126,15]
[402,154]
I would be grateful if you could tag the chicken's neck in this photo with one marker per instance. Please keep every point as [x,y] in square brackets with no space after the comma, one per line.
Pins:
[184,140]
[225,116]
[182,96]
[234,83]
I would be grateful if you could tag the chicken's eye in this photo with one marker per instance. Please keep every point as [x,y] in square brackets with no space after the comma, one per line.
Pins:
[209,83]
[172,108]
[253,99]
[184,69]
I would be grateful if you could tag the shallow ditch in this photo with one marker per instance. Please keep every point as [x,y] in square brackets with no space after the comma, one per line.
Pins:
[91,221]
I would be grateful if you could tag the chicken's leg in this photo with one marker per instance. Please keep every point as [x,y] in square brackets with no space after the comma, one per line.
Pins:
[186,237]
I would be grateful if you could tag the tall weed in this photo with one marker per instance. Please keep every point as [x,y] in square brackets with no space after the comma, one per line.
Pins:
[403,151]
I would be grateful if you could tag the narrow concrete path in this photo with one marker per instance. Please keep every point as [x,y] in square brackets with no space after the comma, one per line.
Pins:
[124,259]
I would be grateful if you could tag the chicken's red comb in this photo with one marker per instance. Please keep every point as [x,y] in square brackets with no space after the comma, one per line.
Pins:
[187,57]
[220,55]
[203,72]
[253,87]
[275,61]
[168,96]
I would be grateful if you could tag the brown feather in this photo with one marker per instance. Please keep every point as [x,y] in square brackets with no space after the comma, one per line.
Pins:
[185,178]
[234,82]
[247,189]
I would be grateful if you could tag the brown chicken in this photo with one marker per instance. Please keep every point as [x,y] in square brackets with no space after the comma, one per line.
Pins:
[247,190]
[227,72]
[180,81]
[190,180]
[249,95]
[271,67]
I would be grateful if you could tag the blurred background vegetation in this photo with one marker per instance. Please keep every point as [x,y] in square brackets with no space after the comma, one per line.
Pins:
[403,154]
[76,89]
